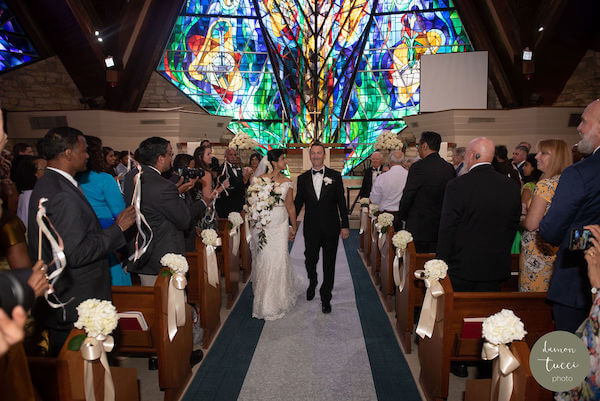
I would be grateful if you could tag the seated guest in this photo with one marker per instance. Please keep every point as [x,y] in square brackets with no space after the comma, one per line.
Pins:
[537,256]
[165,211]
[86,244]
[421,202]
[233,199]
[104,195]
[502,165]
[576,203]
[519,158]
[30,170]
[480,216]
[371,174]
[388,187]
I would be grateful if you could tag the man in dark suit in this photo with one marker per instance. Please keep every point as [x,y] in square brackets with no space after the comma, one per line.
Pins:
[165,211]
[371,173]
[480,216]
[321,192]
[86,244]
[575,204]
[232,200]
[421,202]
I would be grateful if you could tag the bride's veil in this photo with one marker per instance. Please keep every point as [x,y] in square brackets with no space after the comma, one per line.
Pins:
[263,167]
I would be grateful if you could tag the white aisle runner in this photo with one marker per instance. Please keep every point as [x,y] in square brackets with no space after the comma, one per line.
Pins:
[308,355]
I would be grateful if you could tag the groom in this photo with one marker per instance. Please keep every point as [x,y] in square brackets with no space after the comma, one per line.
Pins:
[321,190]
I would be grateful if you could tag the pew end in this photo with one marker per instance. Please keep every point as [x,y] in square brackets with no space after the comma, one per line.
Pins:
[375,255]
[231,263]
[245,254]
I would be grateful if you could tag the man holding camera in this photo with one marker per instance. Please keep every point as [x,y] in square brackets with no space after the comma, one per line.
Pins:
[165,210]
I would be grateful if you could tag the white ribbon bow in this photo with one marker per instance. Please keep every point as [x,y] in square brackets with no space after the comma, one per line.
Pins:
[504,365]
[211,263]
[176,306]
[94,348]
[429,309]
[235,234]
[364,215]
[398,270]
[247,230]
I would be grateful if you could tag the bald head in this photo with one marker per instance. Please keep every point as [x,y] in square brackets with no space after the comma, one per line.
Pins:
[376,159]
[479,150]
[589,128]
[396,157]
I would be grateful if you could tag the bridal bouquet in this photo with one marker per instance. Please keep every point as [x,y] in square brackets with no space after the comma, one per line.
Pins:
[503,327]
[235,220]
[401,239]
[385,221]
[388,140]
[243,141]
[263,195]
[435,269]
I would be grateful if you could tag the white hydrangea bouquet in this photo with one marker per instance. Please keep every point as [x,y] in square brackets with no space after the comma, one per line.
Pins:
[211,239]
[364,202]
[387,140]
[263,195]
[176,296]
[499,330]
[235,221]
[243,141]
[384,222]
[98,319]
[434,271]
[373,210]
[400,240]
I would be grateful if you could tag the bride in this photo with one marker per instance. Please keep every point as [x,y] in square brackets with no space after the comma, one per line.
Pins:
[274,282]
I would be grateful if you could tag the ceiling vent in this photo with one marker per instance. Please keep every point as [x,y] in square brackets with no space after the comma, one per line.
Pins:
[476,120]
[574,119]
[47,122]
[153,122]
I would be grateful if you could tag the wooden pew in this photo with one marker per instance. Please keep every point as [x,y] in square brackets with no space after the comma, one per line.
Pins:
[245,254]
[61,378]
[446,344]
[200,292]
[512,284]
[388,252]
[367,245]
[411,297]
[375,255]
[364,237]
[231,264]
[174,368]
[525,387]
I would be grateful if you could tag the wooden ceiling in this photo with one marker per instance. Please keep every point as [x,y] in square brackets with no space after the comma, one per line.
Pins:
[135,32]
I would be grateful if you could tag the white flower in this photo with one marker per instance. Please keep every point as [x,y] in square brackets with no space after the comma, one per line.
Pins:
[96,317]
[235,219]
[503,327]
[435,269]
[242,141]
[385,219]
[364,202]
[401,239]
[373,208]
[177,263]
[387,140]
[327,180]
[209,237]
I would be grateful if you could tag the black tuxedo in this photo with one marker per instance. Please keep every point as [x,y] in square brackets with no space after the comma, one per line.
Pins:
[168,215]
[421,202]
[479,220]
[86,247]
[322,218]
[367,182]
[234,200]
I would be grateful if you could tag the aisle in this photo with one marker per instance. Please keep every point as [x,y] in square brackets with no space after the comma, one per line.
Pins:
[308,355]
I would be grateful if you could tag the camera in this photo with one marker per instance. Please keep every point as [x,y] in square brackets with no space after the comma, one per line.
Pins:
[580,239]
[14,290]
[191,173]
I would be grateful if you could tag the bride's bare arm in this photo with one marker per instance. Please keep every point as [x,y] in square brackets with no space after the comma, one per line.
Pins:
[291,209]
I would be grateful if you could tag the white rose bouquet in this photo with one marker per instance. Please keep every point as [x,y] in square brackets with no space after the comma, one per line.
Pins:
[177,263]
[374,209]
[243,141]
[96,317]
[388,140]
[435,269]
[210,237]
[364,202]
[385,221]
[503,327]
[401,239]
[263,195]
[235,220]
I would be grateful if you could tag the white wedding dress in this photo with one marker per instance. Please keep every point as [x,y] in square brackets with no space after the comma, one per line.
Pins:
[275,284]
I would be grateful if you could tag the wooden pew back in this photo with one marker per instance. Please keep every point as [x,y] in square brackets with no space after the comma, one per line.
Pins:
[231,263]
[374,254]
[245,254]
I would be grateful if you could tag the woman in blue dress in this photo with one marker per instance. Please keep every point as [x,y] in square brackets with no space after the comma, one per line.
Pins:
[102,192]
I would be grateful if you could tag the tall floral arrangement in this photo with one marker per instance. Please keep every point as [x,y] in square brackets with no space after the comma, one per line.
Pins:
[263,195]
[243,141]
[387,140]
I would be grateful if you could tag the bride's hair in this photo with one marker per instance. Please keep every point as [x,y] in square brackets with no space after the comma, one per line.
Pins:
[273,155]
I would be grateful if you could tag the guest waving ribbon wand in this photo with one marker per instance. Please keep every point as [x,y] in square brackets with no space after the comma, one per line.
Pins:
[140,220]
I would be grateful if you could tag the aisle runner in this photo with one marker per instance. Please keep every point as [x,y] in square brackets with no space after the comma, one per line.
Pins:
[308,355]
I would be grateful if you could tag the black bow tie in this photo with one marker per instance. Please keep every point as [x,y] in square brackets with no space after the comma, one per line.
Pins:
[317,172]
[376,169]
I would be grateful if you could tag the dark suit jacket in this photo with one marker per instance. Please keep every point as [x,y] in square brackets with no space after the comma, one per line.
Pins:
[323,214]
[576,203]
[235,198]
[367,183]
[479,220]
[86,245]
[168,215]
[421,202]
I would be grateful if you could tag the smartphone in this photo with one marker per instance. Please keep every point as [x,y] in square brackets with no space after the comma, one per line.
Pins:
[580,239]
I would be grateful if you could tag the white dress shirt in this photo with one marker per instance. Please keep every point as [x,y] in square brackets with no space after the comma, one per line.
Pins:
[387,189]
[479,164]
[317,180]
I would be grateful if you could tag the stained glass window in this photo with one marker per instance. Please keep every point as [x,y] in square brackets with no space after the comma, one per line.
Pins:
[297,70]
[15,47]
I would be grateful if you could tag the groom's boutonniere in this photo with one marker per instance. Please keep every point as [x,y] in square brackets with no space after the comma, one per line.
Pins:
[327,180]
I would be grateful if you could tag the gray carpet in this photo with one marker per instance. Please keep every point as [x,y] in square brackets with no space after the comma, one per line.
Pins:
[311,356]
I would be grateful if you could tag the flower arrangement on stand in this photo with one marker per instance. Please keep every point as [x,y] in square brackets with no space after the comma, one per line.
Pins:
[242,141]
[434,271]
[178,266]
[400,240]
[211,239]
[387,140]
[499,330]
[263,195]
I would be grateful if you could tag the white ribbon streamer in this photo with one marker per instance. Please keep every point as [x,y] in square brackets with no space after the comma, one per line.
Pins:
[176,306]
[429,309]
[140,220]
[503,367]
[211,264]
[91,350]
[235,234]
[364,216]
[399,271]
[247,230]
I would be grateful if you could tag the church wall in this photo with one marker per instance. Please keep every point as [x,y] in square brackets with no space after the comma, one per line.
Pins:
[161,94]
[584,85]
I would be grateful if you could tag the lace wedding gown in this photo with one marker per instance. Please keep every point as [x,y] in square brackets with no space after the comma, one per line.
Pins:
[275,283]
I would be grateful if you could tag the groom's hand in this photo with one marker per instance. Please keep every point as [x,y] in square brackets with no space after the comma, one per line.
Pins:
[345,233]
